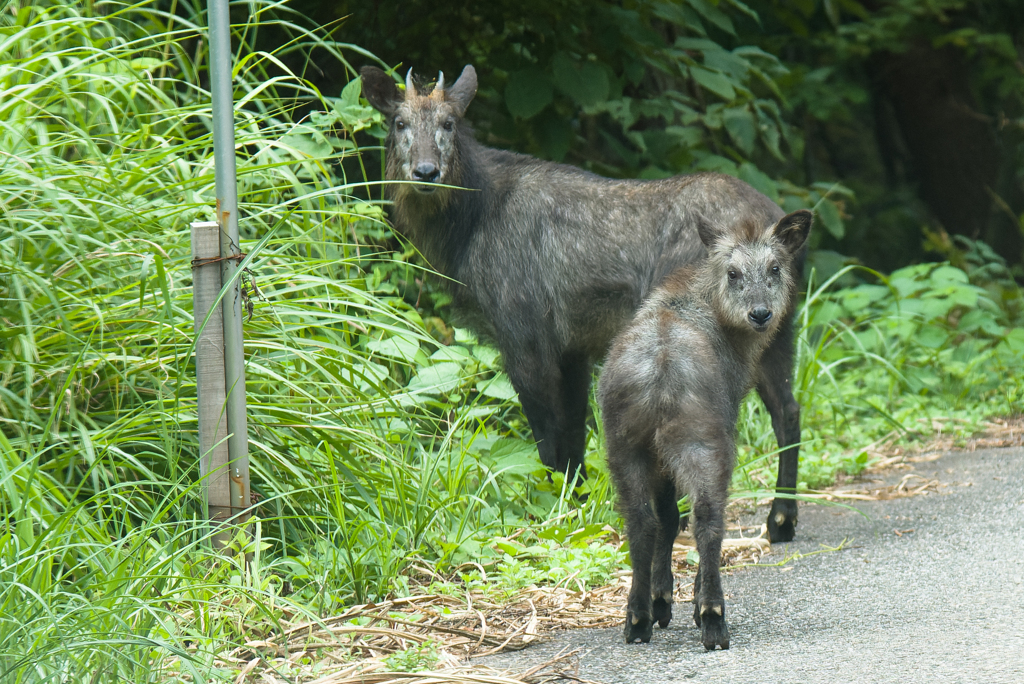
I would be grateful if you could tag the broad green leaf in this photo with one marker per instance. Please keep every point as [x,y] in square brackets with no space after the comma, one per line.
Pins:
[486,355]
[829,216]
[906,286]
[928,309]
[739,122]
[948,274]
[727,62]
[862,296]
[1014,342]
[527,92]
[760,180]
[714,162]
[439,378]
[713,15]
[742,7]
[979,320]
[587,83]
[921,380]
[455,353]
[515,455]
[349,112]
[554,133]
[670,11]
[365,375]
[689,136]
[956,295]
[507,447]
[498,387]
[397,347]
[932,336]
[713,81]
[351,92]
[701,44]
[769,132]
[308,142]
[752,51]
[465,336]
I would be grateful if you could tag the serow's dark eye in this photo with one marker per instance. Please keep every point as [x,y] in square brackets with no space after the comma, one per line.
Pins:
[732,275]
[448,125]
[775,270]
[399,125]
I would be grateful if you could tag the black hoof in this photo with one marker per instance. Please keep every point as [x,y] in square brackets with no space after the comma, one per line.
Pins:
[713,629]
[661,612]
[782,521]
[638,628]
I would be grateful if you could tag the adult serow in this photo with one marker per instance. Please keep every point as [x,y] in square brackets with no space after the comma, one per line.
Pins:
[670,395]
[550,262]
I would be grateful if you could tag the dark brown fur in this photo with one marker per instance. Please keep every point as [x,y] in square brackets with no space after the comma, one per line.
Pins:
[551,262]
[670,395]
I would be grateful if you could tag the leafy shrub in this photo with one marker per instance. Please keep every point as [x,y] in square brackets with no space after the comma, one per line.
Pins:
[930,342]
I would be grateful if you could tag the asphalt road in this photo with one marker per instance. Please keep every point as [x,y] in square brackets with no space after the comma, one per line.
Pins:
[942,601]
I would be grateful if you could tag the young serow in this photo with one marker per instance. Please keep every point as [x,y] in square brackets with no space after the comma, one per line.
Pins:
[550,262]
[670,394]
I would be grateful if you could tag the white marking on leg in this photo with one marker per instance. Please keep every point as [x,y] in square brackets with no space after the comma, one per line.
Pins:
[780,518]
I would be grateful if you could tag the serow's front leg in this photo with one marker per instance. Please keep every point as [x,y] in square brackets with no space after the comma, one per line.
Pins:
[775,389]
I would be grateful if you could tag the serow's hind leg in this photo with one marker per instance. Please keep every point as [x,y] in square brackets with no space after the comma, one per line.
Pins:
[708,598]
[667,510]
[774,385]
[555,396]
[631,469]
[572,432]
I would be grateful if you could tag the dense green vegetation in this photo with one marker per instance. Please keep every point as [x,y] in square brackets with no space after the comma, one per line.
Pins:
[379,435]
[916,106]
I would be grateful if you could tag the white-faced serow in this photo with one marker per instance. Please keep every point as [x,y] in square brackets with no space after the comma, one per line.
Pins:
[670,394]
[550,262]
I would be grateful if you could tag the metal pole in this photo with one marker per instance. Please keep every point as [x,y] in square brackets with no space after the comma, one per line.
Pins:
[213,423]
[222,90]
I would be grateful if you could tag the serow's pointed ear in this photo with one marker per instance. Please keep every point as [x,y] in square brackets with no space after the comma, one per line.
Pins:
[792,229]
[380,90]
[463,91]
[708,233]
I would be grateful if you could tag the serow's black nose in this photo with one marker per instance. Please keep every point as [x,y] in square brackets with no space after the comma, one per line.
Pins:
[426,172]
[760,316]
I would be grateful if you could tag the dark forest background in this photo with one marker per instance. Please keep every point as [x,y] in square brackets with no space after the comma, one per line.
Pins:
[906,116]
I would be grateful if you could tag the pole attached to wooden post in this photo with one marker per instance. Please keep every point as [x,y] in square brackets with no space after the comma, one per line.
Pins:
[222,91]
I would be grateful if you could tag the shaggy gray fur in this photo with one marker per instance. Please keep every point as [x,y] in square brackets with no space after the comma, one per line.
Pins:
[670,395]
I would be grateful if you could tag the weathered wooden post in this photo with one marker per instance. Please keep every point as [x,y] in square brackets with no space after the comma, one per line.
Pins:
[213,422]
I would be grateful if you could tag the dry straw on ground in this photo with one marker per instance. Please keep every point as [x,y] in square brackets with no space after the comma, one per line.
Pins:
[352,646]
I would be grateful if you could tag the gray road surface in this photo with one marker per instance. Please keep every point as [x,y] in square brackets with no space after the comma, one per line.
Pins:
[942,602]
